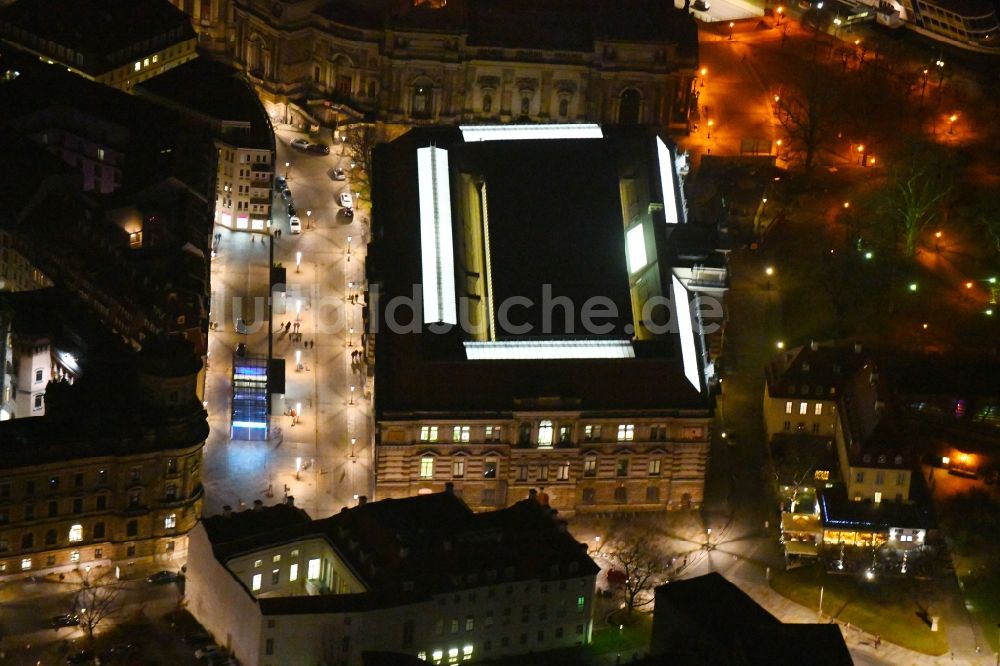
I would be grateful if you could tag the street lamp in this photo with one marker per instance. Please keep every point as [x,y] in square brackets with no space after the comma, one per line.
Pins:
[350,336]
[951,123]
[298,262]
[923,87]
[780,344]
[731,26]
[710,124]
[287,164]
[769,271]
[349,238]
[704,72]
[352,394]
[847,204]
[309,219]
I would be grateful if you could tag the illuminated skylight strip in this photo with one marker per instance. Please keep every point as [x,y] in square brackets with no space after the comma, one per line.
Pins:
[667,180]
[635,246]
[436,253]
[685,326]
[488,252]
[531,132]
[519,350]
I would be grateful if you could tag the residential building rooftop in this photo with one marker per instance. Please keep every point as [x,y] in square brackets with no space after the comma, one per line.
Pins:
[837,510]
[818,370]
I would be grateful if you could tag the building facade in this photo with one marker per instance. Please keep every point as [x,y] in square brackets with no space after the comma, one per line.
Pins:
[80,486]
[411,62]
[424,577]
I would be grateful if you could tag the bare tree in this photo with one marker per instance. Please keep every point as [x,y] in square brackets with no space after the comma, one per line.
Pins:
[807,115]
[96,600]
[920,182]
[642,563]
[361,141]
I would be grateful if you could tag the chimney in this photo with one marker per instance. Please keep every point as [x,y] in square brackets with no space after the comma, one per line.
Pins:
[857,347]
[290,500]
[449,488]
[813,345]
[533,494]
[227,511]
[362,500]
[258,505]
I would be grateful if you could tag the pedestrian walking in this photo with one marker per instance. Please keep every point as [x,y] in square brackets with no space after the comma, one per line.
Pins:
[878,641]
[253,238]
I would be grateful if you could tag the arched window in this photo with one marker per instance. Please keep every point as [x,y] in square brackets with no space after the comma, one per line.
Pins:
[545,434]
[525,105]
[422,101]
[563,107]
[628,107]
[487,103]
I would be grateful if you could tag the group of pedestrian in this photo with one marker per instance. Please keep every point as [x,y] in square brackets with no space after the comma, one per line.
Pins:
[309,344]
[277,233]
[353,298]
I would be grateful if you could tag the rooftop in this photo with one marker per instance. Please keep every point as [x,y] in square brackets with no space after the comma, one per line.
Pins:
[821,370]
[837,510]
[433,543]
[103,33]
[537,254]
[721,624]
[216,92]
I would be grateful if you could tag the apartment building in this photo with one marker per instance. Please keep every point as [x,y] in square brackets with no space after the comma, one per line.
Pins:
[424,576]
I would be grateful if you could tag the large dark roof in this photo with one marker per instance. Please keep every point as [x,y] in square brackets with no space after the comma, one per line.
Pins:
[554,218]
[218,92]
[100,29]
[837,510]
[797,372]
[434,542]
[735,629]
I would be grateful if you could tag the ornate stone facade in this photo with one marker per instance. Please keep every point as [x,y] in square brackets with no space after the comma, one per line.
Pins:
[316,61]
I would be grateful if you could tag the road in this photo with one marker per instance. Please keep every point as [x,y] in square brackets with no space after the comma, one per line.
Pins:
[310,455]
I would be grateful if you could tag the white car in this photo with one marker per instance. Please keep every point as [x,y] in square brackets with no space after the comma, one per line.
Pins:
[294,224]
[345,200]
[301,144]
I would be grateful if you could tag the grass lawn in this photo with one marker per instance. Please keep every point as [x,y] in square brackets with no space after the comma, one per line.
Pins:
[886,608]
[632,637]
[982,593]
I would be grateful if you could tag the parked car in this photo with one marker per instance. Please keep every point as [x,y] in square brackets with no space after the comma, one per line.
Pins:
[81,657]
[280,183]
[295,225]
[66,620]
[291,210]
[207,651]
[162,577]
[318,148]
[338,174]
[702,5]
[286,194]
[345,200]
[348,212]
[301,144]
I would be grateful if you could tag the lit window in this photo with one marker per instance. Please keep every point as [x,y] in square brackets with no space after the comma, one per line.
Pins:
[626,432]
[295,553]
[100,154]
[256,582]
[592,432]
[819,409]
[467,653]
[428,433]
[458,468]
[293,572]
[452,655]
[490,469]
[590,466]
[621,468]
[25,564]
[460,434]
[822,475]
[437,655]
[470,623]
[145,62]
[788,407]
[258,563]
[276,559]
[635,244]
[427,468]
[138,66]
[878,497]
[312,573]
[654,467]
[156,58]
[580,603]
[803,408]
[563,473]
[74,556]
[76,533]
[545,434]
[170,522]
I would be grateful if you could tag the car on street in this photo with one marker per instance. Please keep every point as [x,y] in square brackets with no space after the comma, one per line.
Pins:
[162,577]
[702,5]
[345,200]
[207,651]
[301,144]
[81,657]
[286,194]
[295,225]
[348,212]
[318,148]
[291,210]
[66,620]
[338,174]
[279,183]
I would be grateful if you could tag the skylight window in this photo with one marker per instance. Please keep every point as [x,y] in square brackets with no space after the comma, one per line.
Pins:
[437,259]
[531,132]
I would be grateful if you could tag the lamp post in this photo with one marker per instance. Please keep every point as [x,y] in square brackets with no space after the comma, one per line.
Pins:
[951,123]
[309,219]
[287,164]
[352,395]
[923,87]
[769,271]
[704,73]
[350,337]
[731,26]
[298,262]
[710,124]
